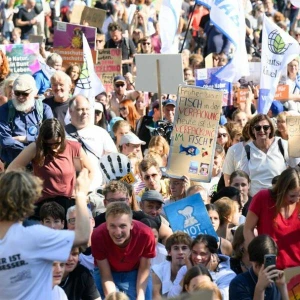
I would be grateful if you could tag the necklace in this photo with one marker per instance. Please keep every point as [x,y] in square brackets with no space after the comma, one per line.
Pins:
[63,285]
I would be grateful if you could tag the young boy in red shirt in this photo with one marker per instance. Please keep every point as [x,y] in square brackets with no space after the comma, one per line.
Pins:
[122,249]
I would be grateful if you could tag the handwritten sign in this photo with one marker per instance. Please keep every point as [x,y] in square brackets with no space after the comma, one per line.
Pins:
[205,78]
[293,127]
[22,58]
[93,16]
[195,131]
[36,38]
[76,13]
[109,64]
[190,215]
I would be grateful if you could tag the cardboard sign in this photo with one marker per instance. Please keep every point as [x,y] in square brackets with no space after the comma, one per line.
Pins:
[36,39]
[23,58]
[93,16]
[109,64]
[205,78]
[209,61]
[69,36]
[293,128]
[292,276]
[171,72]
[195,132]
[76,13]
[190,215]
[129,178]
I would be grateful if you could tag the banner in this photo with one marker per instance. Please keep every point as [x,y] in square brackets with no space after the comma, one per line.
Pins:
[278,49]
[190,215]
[109,64]
[195,132]
[293,128]
[207,78]
[169,16]
[229,18]
[23,58]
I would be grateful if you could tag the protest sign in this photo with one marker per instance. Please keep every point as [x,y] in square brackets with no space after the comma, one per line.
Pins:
[109,64]
[93,16]
[171,72]
[68,42]
[205,78]
[292,277]
[195,131]
[76,13]
[293,127]
[129,178]
[190,215]
[23,58]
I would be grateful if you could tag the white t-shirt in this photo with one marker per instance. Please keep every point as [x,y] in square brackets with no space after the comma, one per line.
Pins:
[58,293]
[233,158]
[99,141]
[161,254]
[26,258]
[163,272]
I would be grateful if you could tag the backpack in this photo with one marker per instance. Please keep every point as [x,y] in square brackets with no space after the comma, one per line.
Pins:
[281,149]
[12,112]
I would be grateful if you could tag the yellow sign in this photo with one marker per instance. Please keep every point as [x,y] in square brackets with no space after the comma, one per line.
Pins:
[129,178]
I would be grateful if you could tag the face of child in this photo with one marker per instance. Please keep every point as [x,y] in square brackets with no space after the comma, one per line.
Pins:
[53,223]
[58,269]
[120,132]
[200,254]
[242,184]
[178,253]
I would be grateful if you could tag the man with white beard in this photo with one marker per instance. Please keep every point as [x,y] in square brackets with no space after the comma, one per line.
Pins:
[20,118]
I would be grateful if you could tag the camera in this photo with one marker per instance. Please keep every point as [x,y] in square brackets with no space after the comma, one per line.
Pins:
[164,129]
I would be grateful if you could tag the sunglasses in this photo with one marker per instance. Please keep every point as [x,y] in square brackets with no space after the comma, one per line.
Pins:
[122,108]
[146,43]
[98,112]
[264,127]
[222,135]
[120,85]
[99,41]
[18,94]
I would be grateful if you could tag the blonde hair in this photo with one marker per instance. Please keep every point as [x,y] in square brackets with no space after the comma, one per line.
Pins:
[209,286]
[159,141]
[226,208]
[117,296]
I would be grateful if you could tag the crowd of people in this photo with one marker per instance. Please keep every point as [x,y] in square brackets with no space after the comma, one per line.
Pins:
[72,228]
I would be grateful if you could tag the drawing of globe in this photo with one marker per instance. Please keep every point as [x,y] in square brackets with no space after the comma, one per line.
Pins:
[276,43]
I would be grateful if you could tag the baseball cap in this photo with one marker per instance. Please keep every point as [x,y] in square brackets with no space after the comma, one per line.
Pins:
[131,138]
[152,195]
[169,102]
[119,78]
[276,108]
[24,83]
[98,106]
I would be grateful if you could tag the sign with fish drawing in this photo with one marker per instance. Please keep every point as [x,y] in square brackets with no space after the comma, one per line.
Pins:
[195,132]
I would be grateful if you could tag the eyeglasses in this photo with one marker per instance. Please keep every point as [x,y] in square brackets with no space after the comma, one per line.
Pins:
[117,200]
[264,127]
[99,41]
[146,43]
[222,135]
[120,85]
[24,94]
[98,112]
[122,108]
[72,221]
[147,177]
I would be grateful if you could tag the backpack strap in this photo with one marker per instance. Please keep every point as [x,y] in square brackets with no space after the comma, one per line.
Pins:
[281,149]
[11,114]
[247,149]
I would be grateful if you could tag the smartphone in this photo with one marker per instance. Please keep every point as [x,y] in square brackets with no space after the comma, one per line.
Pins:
[77,161]
[269,260]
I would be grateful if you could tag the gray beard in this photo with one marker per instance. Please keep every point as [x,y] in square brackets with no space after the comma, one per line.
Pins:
[23,107]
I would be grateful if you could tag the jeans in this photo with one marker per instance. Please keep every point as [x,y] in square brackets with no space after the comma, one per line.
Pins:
[125,282]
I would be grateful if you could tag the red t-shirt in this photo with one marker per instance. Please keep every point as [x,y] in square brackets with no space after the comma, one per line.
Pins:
[285,232]
[58,173]
[142,244]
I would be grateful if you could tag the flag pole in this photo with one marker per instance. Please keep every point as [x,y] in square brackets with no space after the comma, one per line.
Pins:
[159,89]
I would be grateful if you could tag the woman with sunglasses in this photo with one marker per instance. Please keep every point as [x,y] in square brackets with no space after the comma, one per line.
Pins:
[223,138]
[276,212]
[53,159]
[145,46]
[129,113]
[267,155]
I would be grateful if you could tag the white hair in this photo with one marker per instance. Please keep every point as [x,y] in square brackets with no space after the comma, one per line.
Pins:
[73,209]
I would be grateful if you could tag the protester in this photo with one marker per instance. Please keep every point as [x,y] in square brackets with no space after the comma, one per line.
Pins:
[19,191]
[130,143]
[57,273]
[129,113]
[52,215]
